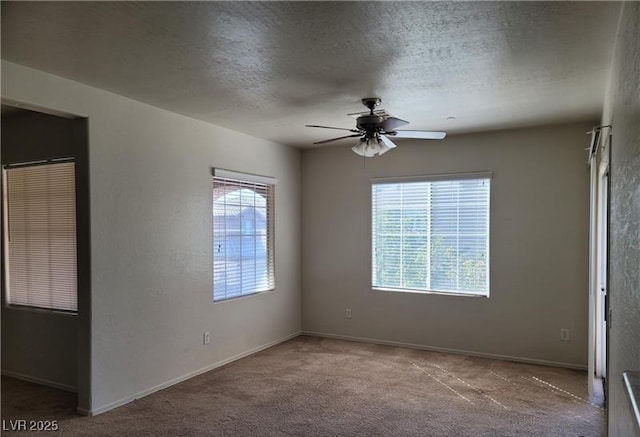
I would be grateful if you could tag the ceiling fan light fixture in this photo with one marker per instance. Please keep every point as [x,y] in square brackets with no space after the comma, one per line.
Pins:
[387,143]
[382,148]
[370,147]
[361,148]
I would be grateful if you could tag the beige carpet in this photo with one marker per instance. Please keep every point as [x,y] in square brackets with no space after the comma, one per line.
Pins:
[320,387]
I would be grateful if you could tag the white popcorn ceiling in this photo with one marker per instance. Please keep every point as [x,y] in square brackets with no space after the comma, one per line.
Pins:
[269,68]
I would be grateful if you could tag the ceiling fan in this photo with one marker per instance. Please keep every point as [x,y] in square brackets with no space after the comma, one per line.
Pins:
[374,129]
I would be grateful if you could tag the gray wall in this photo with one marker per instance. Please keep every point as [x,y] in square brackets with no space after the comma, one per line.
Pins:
[151,249]
[622,110]
[43,346]
[539,246]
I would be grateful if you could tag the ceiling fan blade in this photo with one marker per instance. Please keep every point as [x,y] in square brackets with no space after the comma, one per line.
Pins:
[339,138]
[393,123]
[387,142]
[329,127]
[418,134]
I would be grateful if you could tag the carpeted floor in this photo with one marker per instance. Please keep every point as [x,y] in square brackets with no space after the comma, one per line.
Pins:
[321,387]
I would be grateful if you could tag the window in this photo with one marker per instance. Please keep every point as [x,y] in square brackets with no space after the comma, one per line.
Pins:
[431,234]
[40,236]
[243,261]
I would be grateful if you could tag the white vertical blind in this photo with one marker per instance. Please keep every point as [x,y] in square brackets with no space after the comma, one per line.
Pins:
[431,235]
[40,236]
[243,261]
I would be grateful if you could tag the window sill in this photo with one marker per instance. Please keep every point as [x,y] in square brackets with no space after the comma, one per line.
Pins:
[441,293]
[40,310]
[235,298]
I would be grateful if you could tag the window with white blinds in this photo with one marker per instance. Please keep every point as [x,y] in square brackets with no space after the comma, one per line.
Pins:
[40,236]
[431,234]
[243,261]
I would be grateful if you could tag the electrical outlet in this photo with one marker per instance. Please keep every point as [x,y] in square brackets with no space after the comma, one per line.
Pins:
[565,334]
[206,338]
[347,313]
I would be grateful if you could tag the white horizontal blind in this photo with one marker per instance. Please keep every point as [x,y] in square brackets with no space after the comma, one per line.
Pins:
[243,261]
[41,236]
[431,235]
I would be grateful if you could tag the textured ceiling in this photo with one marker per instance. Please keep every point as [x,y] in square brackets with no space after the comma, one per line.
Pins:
[269,68]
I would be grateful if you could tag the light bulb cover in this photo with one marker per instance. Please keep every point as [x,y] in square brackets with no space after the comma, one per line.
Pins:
[370,147]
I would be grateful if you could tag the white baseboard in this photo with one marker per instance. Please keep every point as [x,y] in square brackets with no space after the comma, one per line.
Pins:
[40,381]
[146,392]
[448,351]
[83,412]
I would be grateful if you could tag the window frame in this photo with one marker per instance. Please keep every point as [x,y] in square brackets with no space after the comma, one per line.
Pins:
[270,184]
[430,178]
[6,289]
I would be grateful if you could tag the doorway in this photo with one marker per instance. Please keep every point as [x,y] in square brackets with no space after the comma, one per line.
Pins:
[44,343]
[600,347]
[599,262]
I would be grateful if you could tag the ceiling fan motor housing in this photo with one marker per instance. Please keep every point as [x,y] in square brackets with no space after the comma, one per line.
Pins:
[369,123]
